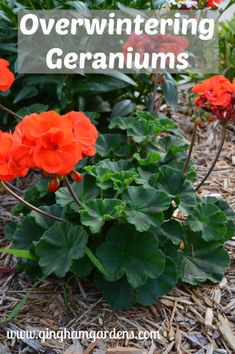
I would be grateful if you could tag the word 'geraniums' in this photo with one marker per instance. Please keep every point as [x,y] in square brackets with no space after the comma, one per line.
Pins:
[50,142]
[217,97]
[6,76]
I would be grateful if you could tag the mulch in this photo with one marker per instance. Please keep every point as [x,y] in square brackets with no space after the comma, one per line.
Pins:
[189,319]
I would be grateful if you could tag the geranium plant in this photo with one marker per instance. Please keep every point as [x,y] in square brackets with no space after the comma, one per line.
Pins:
[120,207]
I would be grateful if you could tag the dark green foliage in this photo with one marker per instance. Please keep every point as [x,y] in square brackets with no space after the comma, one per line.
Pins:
[126,234]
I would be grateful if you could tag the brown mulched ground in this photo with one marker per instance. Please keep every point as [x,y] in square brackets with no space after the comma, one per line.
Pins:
[190,320]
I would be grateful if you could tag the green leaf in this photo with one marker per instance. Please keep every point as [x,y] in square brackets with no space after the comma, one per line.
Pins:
[123,108]
[208,219]
[172,181]
[112,144]
[9,230]
[44,221]
[82,267]
[221,204]
[34,108]
[154,288]
[95,212]
[145,206]
[169,88]
[202,260]
[131,253]
[95,261]
[119,294]
[173,230]
[116,174]
[60,246]
[28,232]
[18,253]
[138,130]
[98,84]
[26,92]
[152,158]
[85,190]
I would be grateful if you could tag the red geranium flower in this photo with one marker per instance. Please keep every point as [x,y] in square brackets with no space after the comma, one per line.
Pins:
[213,3]
[83,131]
[9,170]
[215,91]
[6,76]
[54,143]
[216,96]
[155,44]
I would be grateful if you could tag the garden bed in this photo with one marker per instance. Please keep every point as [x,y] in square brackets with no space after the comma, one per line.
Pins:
[190,320]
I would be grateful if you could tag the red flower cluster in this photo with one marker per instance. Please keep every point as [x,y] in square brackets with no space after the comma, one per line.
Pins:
[155,44]
[213,4]
[6,76]
[47,141]
[8,168]
[217,96]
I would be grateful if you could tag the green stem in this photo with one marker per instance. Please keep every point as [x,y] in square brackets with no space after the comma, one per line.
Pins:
[152,107]
[190,149]
[71,191]
[95,261]
[7,110]
[224,131]
[27,204]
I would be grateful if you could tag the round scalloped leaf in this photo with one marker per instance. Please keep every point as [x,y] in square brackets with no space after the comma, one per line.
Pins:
[95,212]
[208,219]
[119,294]
[154,288]
[172,181]
[202,261]
[28,232]
[59,247]
[145,206]
[131,253]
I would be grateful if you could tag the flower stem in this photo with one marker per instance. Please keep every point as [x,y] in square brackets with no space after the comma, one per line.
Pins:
[71,191]
[190,149]
[224,131]
[5,109]
[27,204]
[152,107]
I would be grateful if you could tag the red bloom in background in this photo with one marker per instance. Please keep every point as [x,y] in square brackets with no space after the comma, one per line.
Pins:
[213,3]
[8,169]
[155,44]
[83,131]
[6,76]
[170,44]
[216,96]
[140,44]
[216,91]
[54,143]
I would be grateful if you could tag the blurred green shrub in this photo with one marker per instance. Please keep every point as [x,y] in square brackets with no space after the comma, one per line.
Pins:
[227,48]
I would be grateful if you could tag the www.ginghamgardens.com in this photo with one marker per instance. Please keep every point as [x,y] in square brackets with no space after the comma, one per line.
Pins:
[65,334]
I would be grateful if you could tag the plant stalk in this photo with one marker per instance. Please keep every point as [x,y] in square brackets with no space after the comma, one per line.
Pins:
[27,204]
[224,131]
[7,110]
[71,191]
[152,107]
[190,149]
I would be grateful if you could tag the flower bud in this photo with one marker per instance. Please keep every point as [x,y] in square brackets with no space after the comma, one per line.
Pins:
[54,184]
[233,98]
[162,79]
[198,122]
[76,176]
